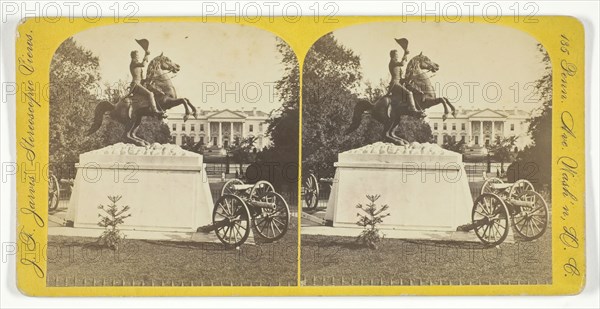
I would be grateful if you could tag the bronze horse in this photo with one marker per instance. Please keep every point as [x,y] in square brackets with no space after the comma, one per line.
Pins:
[389,114]
[129,110]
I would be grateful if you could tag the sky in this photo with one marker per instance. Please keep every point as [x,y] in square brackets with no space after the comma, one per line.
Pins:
[222,66]
[480,64]
[234,66]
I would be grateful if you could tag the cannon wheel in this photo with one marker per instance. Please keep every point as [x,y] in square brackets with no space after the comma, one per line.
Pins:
[530,222]
[53,192]
[519,187]
[487,185]
[490,216]
[311,191]
[260,189]
[231,219]
[228,186]
[272,224]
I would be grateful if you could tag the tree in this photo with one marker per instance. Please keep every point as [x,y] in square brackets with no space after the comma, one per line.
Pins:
[73,90]
[283,126]
[331,75]
[241,150]
[534,162]
[502,150]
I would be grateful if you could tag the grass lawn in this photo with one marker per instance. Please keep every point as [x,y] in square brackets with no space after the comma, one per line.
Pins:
[77,261]
[328,260]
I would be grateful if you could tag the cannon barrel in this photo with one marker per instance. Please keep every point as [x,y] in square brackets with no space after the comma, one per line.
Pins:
[261,204]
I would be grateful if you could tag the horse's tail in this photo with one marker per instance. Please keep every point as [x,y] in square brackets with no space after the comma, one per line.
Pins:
[360,108]
[101,109]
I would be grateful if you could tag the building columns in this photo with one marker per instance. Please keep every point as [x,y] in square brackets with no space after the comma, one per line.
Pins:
[208,134]
[469,132]
[481,142]
[230,132]
[220,138]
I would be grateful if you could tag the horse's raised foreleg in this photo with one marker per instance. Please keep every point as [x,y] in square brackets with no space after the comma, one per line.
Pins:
[169,103]
[187,110]
[451,107]
[192,107]
[429,102]
[445,115]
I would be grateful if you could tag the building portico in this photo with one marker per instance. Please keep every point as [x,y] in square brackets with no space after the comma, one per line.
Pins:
[219,128]
[480,127]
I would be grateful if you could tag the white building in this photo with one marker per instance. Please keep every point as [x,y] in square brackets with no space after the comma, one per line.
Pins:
[480,126]
[217,129]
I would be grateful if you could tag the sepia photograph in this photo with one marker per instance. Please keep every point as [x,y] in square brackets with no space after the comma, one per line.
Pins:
[426,156]
[173,151]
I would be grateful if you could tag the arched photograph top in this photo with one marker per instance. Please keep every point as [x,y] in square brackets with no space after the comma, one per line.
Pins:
[176,142]
[424,135]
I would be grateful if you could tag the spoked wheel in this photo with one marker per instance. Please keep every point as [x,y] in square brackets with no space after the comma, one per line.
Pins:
[260,189]
[487,185]
[519,187]
[311,191]
[490,217]
[272,223]
[53,193]
[228,187]
[531,219]
[231,219]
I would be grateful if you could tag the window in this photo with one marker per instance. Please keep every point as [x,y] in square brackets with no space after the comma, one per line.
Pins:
[462,126]
[444,127]
[174,127]
[260,127]
[512,126]
[173,138]
[462,138]
[454,127]
[251,128]
[193,128]
[476,140]
[183,127]
[435,126]
[201,140]
[202,128]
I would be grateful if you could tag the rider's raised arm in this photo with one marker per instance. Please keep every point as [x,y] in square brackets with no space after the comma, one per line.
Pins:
[403,61]
[139,64]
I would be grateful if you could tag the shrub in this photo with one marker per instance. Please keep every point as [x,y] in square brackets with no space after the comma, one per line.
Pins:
[371,217]
[112,237]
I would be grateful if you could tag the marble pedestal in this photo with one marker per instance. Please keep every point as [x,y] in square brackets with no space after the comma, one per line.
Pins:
[165,186]
[425,186]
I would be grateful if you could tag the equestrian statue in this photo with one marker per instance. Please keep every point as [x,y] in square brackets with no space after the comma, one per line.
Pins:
[150,96]
[408,96]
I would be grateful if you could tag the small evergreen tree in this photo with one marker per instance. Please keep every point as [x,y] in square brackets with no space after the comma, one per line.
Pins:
[371,217]
[112,237]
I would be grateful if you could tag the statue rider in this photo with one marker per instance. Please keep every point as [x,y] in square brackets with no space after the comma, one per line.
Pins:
[136,67]
[397,89]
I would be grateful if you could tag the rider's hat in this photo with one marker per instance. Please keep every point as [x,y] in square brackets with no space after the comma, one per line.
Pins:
[143,43]
[403,43]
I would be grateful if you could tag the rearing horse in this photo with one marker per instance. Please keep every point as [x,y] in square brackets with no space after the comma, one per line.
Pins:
[389,114]
[129,110]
